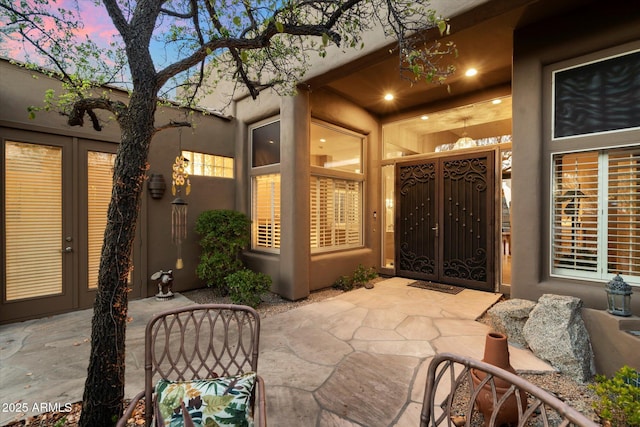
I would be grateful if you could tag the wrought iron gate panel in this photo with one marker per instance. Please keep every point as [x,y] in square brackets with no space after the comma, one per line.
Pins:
[444,220]
[417,217]
[464,231]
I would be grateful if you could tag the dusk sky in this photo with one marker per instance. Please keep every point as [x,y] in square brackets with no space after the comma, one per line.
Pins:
[97,26]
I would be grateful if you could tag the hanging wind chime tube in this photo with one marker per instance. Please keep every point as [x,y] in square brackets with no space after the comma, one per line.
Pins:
[178,227]
[178,205]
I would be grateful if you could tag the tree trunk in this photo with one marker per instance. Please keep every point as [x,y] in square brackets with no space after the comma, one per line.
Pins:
[104,386]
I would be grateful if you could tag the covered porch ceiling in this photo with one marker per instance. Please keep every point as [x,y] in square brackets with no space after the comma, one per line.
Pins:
[484,40]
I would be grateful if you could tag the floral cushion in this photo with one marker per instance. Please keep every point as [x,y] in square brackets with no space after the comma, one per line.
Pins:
[222,401]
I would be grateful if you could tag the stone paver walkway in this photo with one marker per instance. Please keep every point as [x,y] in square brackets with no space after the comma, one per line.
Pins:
[359,359]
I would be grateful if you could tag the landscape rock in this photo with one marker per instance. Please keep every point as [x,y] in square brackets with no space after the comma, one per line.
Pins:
[556,333]
[509,317]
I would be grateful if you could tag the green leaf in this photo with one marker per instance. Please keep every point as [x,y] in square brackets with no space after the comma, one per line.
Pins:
[325,39]
[279,27]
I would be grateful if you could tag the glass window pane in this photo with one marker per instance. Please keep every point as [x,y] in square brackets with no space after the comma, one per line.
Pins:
[266,212]
[623,225]
[597,97]
[265,143]
[336,213]
[575,211]
[33,220]
[334,149]
[99,184]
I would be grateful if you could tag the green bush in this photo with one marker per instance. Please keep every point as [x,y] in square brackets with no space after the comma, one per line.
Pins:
[343,283]
[223,236]
[361,276]
[246,287]
[619,398]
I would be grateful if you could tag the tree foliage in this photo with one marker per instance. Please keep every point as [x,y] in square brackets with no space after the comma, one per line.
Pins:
[254,44]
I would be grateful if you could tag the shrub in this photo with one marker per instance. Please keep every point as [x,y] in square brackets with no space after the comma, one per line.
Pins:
[343,283]
[246,287]
[223,236]
[361,276]
[619,397]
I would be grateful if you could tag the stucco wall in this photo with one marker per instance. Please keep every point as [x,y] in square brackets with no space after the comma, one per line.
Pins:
[210,134]
[591,29]
[327,267]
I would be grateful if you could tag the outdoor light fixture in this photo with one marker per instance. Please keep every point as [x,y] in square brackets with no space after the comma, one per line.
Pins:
[388,97]
[156,185]
[618,297]
[471,72]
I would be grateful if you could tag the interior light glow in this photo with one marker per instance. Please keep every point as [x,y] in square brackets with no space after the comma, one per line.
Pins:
[388,97]
[496,101]
[471,72]
[424,117]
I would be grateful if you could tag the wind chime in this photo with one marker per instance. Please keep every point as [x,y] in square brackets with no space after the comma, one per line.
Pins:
[179,205]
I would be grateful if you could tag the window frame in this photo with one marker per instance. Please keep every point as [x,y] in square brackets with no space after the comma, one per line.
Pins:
[191,169]
[601,141]
[254,172]
[321,172]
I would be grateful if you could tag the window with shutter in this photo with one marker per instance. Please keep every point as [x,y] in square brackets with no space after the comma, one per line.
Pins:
[266,212]
[336,213]
[596,214]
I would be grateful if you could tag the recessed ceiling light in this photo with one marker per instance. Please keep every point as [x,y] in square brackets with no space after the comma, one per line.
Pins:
[496,101]
[388,97]
[471,72]
[424,117]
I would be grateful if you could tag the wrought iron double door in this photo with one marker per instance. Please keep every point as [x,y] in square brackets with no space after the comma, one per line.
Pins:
[445,220]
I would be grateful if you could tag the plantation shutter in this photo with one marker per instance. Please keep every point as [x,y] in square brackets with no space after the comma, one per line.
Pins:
[33,220]
[623,232]
[266,211]
[100,183]
[335,213]
[575,212]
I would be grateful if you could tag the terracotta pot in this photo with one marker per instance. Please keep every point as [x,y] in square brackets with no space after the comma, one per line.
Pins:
[496,352]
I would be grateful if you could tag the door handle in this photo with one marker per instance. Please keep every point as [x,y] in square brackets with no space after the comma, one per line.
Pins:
[67,250]
[436,229]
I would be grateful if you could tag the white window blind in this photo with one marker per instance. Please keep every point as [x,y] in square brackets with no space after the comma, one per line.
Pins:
[596,214]
[100,174]
[33,220]
[335,213]
[266,212]
[623,232]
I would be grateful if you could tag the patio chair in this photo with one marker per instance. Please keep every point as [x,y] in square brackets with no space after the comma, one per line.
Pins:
[451,396]
[201,362]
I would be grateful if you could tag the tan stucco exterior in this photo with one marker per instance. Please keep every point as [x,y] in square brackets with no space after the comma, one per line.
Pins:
[555,41]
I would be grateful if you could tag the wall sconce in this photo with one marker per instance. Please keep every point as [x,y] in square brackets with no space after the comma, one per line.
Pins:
[156,185]
[618,297]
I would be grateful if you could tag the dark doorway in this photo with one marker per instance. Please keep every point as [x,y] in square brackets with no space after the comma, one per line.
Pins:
[445,220]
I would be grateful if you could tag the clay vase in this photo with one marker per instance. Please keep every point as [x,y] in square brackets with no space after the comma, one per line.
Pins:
[496,352]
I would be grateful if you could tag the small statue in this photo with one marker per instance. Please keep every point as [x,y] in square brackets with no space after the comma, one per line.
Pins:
[165,280]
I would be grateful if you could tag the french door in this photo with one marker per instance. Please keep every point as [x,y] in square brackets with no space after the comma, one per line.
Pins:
[445,220]
[55,195]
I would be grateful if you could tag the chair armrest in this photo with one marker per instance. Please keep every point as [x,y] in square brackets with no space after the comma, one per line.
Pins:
[260,404]
[122,422]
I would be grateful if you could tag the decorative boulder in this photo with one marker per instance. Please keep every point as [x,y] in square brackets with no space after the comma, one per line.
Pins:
[556,333]
[509,317]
